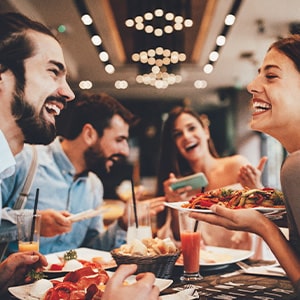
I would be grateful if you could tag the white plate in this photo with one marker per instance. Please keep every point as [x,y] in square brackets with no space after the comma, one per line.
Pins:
[178,206]
[219,256]
[85,254]
[22,292]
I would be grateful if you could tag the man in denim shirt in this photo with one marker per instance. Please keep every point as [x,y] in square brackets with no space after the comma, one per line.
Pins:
[96,129]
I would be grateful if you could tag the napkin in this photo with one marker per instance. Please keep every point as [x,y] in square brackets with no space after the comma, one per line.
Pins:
[186,294]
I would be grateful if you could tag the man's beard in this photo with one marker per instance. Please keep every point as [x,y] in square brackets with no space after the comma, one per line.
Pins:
[95,160]
[35,128]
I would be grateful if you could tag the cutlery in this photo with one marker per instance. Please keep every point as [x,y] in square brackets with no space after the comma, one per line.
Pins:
[90,213]
[274,269]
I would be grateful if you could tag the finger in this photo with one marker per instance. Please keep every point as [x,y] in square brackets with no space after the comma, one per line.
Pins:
[172,175]
[147,279]
[122,273]
[262,163]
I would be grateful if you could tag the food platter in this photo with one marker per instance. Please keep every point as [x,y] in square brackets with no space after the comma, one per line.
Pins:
[216,257]
[86,254]
[178,206]
[22,292]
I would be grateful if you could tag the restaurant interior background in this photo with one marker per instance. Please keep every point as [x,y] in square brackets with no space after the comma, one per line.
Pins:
[153,55]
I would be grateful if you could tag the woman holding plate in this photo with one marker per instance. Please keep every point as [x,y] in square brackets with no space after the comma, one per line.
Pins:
[276,111]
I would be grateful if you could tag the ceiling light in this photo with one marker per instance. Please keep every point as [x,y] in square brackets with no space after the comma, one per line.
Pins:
[213,56]
[188,23]
[103,56]
[85,85]
[169,16]
[86,19]
[200,84]
[139,19]
[109,68]
[229,20]
[139,26]
[168,29]
[208,68]
[121,84]
[135,57]
[129,23]
[158,12]
[178,26]
[96,40]
[151,52]
[220,41]
[148,16]
[158,32]
[178,19]
[149,29]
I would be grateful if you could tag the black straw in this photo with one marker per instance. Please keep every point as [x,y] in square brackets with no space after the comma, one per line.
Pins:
[34,214]
[134,204]
[197,222]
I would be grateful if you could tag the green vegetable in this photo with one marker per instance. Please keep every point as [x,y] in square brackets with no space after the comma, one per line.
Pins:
[72,254]
[35,275]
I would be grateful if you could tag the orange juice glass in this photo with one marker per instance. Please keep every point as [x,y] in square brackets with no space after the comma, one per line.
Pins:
[190,243]
[28,226]
[28,246]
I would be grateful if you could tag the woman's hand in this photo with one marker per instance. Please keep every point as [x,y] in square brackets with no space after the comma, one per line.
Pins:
[177,195]
[250,177]
[248,220]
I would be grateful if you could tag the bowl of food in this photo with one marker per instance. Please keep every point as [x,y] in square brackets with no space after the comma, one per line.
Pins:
[150,255]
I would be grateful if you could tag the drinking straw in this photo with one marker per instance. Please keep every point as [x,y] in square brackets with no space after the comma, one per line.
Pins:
[197,222]
[134,203]
[34,214]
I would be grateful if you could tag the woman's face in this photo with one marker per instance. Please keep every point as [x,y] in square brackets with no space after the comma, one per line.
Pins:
[190,137]
[276,96]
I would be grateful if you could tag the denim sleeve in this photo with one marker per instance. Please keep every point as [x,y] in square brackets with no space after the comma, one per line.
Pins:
[110,239]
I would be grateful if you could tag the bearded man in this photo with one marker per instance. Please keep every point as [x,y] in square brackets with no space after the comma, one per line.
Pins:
[95,133]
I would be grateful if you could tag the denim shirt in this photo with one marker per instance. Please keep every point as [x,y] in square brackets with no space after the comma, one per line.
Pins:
[7,161]
[59,189]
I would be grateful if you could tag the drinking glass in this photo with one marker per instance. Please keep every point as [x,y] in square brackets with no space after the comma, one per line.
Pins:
[190,243]
[28,226]
[144,221]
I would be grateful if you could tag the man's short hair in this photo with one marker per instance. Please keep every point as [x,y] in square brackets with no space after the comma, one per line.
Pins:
[94,109]
[15,45]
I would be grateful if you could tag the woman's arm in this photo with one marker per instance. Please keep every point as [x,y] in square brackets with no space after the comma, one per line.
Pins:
[255,222]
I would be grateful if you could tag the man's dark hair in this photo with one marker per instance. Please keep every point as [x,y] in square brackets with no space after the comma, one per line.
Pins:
[15,45]
[94,109]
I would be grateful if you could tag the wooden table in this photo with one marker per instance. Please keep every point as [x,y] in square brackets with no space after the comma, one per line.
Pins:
[241,286]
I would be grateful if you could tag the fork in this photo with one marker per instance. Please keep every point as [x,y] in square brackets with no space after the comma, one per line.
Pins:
[243,265]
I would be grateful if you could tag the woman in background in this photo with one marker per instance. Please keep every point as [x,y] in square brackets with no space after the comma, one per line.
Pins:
[187,148]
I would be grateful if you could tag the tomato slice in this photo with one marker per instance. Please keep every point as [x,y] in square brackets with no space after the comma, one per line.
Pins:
[56,267]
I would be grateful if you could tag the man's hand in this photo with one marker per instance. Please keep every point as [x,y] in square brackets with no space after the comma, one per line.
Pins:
[14,268]
[156,205]
[143,289]
[54,222]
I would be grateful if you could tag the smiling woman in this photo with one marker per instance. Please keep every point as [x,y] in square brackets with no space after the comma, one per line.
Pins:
[187,148]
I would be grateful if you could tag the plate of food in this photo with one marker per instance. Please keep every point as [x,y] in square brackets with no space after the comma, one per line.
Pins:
[266,200]
[85,282]
[66,261]
[214,257]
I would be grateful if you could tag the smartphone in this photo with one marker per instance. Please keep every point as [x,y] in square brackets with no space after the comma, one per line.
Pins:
[196,181]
